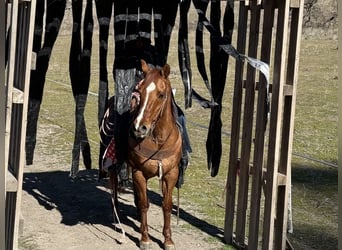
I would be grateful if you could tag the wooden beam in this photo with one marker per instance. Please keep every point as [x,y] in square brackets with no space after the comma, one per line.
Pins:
[3,9]
[235,135]
[295,3]
[284,202]
[281,179]
[18,96]
[249,2]
[275,124]
[19,67]
[288,90]
[11,183]
[260,129]
[247,129]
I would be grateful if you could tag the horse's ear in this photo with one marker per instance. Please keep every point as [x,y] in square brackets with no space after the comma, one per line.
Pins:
[165,70]
[144,66]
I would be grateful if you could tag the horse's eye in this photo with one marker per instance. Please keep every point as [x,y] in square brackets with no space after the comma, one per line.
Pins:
[161,95]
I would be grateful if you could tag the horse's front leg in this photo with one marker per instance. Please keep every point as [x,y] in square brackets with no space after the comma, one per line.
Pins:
[140,186]
[169,182]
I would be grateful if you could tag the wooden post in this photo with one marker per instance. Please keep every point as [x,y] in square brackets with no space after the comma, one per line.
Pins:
[275,124]
[288,123]
[235,130]
[2,126]
[247,128]
[18,68]
[261,119]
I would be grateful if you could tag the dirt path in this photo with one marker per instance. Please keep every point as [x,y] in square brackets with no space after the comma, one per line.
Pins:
[64,213]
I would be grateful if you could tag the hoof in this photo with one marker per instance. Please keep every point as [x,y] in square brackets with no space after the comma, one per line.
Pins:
[169,247]
[145,245]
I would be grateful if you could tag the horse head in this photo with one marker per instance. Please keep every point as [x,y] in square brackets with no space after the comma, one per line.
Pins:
[154,92]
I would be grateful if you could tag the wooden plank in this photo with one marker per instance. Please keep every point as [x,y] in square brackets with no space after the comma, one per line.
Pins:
[281,179]
[288,90]
[275,124]
[28,13]
[295,3]
[24,31]
[11,183]
[269,87]
[34,60]
[3,174]
[261,117]
[10,75]
[247,126]
[288,126]
[18,96]
[235,129]
[250,2]
[9,217]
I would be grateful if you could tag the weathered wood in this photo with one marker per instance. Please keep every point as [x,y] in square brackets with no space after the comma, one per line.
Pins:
[11,182]
[288,90]
[296,3]
[235,135]
[260,129]
[18,96]
[249,2]
[10,74]
[19,66]
[270,173]
[281,179]
[3,171]
[275,124]
[247,126]
[288,126]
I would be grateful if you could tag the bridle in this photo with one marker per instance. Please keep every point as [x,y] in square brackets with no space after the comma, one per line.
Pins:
[137,96]
[155,154]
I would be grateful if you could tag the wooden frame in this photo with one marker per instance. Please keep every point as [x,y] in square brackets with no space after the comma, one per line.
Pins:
[2,126]
[22,15]
[269,150]
[259,171]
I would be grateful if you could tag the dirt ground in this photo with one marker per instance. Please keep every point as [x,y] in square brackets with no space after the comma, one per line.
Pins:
[59,212]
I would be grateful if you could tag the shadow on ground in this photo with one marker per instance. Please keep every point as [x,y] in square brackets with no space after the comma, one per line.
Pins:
[84,200]
[314,193]
[312,175]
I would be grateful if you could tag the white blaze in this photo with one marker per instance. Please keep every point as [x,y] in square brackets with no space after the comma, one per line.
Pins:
[149,89]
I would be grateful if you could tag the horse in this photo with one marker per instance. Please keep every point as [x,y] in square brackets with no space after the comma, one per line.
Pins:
[154,145]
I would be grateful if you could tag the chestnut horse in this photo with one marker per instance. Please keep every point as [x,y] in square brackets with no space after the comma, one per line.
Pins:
[154,146]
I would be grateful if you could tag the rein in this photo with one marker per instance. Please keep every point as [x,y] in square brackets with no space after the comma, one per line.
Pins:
[150,154]
[136,94]
[160,113]
[142,148]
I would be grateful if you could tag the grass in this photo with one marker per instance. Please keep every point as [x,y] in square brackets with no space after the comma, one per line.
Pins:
[314,185]
[316,113]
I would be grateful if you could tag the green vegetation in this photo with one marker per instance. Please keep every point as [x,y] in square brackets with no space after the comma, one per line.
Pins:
[314,185]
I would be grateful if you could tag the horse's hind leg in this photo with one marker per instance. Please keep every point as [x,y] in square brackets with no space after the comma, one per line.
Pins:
[169,183]
[140,188]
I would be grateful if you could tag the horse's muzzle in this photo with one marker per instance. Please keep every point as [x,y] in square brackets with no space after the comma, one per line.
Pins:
[141,132]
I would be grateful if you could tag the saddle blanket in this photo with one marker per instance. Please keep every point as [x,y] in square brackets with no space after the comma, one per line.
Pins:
[109,156]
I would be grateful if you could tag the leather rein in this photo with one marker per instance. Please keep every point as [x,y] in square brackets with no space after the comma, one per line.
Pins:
[142,148]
